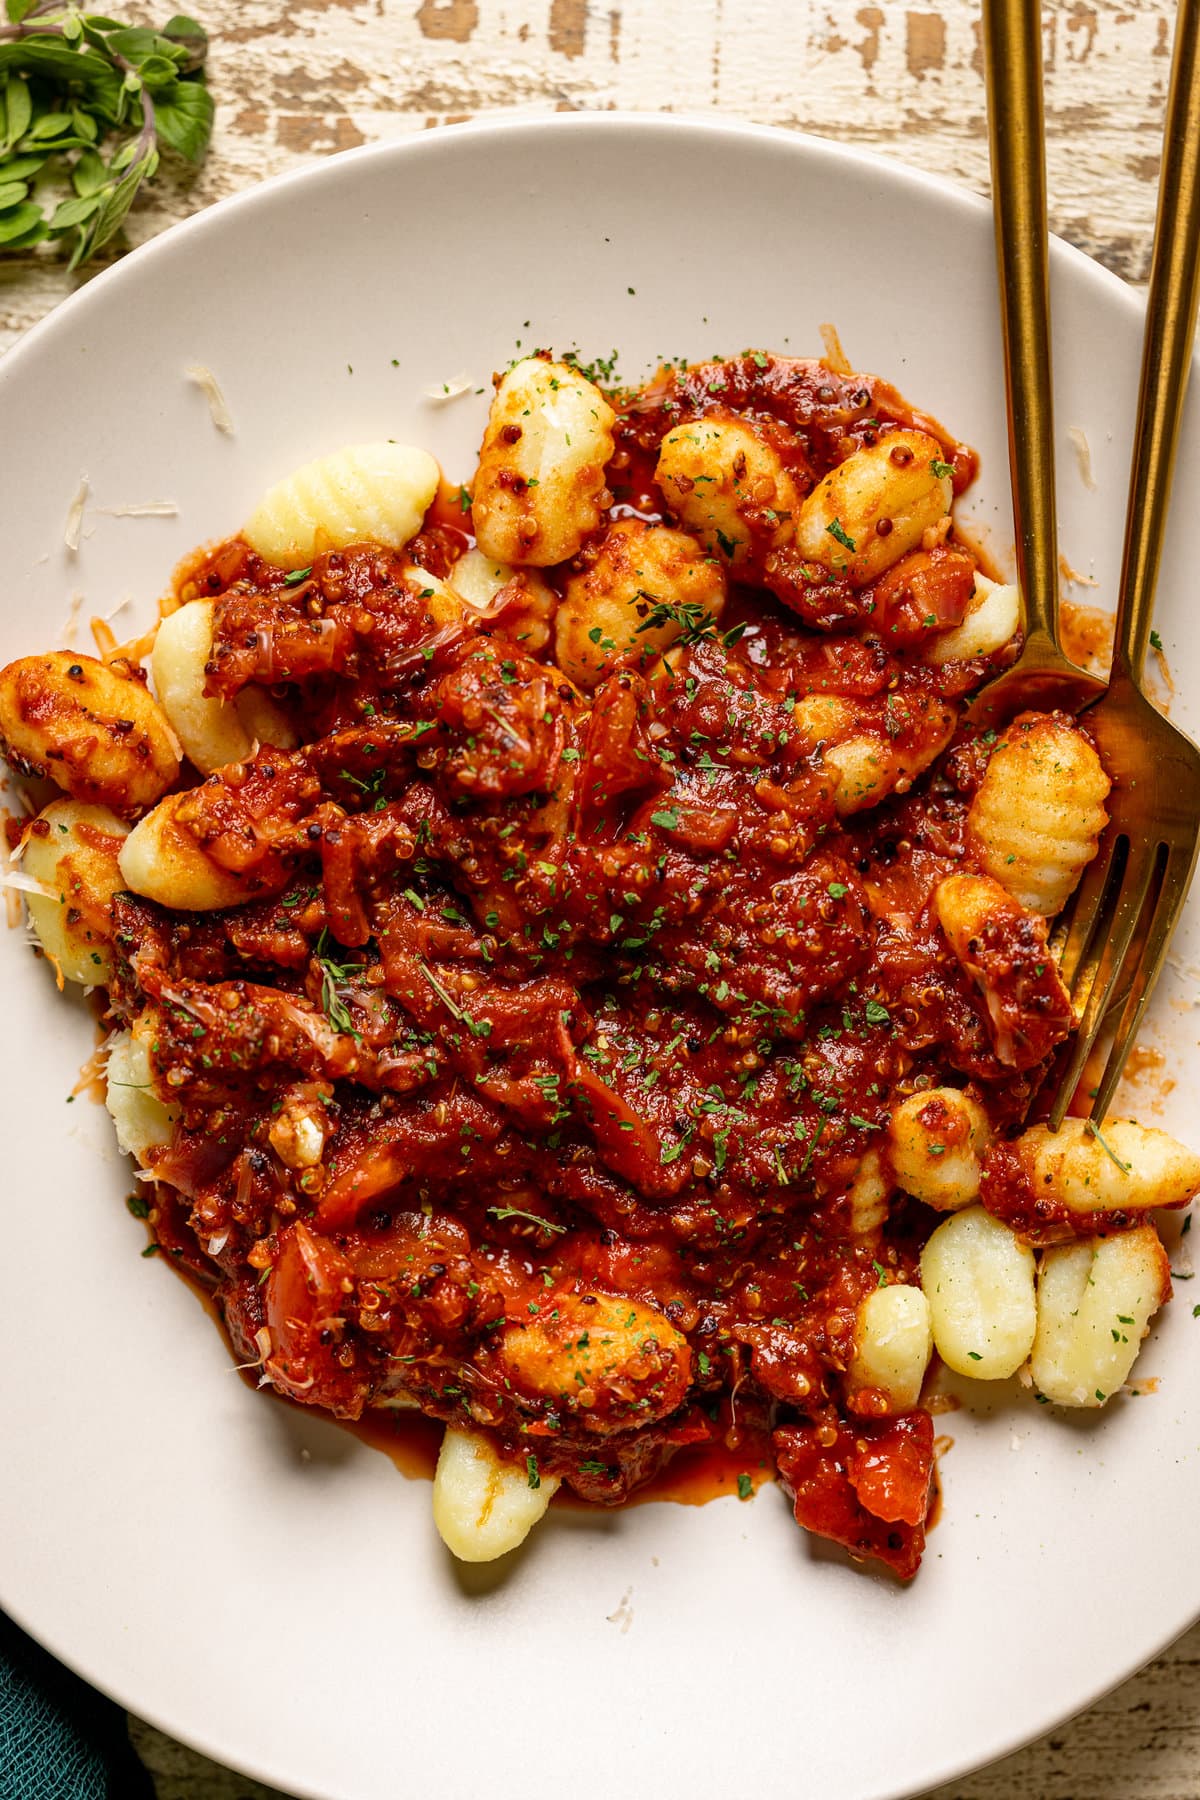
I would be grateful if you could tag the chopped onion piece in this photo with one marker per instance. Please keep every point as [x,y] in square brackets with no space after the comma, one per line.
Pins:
[262,1341]
[210,387]
[216,1244]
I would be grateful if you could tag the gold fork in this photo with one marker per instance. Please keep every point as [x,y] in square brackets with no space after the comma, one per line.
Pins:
[1042,677]
[1145,862]
[1132,893]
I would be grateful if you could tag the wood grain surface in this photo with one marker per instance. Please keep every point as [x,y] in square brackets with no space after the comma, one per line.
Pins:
[298,79]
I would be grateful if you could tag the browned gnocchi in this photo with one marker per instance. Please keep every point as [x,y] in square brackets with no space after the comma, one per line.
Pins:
[540,483]
[91,728]
[646,587]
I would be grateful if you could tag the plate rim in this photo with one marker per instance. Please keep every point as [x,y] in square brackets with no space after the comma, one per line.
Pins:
[335,169]
[418,144]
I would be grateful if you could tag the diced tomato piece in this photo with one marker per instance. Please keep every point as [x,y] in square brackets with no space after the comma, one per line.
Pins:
[869,1490]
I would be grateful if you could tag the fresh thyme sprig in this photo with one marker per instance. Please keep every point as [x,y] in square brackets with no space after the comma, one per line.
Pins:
[695,621]
[333,975]
[86,106]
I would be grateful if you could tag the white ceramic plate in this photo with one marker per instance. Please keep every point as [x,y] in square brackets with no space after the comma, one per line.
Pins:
[256,1581]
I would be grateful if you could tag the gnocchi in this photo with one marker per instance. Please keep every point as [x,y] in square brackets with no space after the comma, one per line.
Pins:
[868,1196]
[366,491]
[871,756]
[893,1342]
[541,473]
[72,849]
[144,1123]
[1124,1168]
[992,620]
[1095,1300]
[1038,813]
[876,506]
[647,585]
[95,731]
[532,604]
[608,1361]
[1003,948]
[728,485]
[935,1141]
[162,861]
[979,1280]
[213,732]
[484,1507]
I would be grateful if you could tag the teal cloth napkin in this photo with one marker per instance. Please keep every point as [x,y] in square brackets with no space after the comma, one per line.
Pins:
[59,1739]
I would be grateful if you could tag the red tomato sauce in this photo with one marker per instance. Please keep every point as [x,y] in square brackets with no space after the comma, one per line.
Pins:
[532,1083]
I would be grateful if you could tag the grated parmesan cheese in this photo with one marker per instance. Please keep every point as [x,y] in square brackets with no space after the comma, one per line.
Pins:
[71,623]
[26,884]
[74,523]
[835,357]
[1083,456]
[210,387]
[145,509]
[441,391]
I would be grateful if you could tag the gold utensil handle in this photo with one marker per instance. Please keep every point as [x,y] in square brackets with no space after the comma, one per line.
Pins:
[1167,347]
[1016,135]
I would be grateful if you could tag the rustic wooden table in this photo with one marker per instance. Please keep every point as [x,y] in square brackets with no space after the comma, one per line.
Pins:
[297,79]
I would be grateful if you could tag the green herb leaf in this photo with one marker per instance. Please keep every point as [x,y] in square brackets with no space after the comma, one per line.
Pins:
[332,974]
[110,216]
[18,110]
[20,168]
[745,1487]
[74,211]
[835,531]
[16,224]
[184,119]
[939,470]
[87,103]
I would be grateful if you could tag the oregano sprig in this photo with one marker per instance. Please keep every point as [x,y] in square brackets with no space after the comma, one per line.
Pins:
[86,106]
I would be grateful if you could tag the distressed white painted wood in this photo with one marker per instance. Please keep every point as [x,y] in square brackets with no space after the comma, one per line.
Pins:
[297,79]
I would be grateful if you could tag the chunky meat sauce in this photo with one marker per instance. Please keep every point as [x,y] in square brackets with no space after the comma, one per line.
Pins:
[533,1087]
